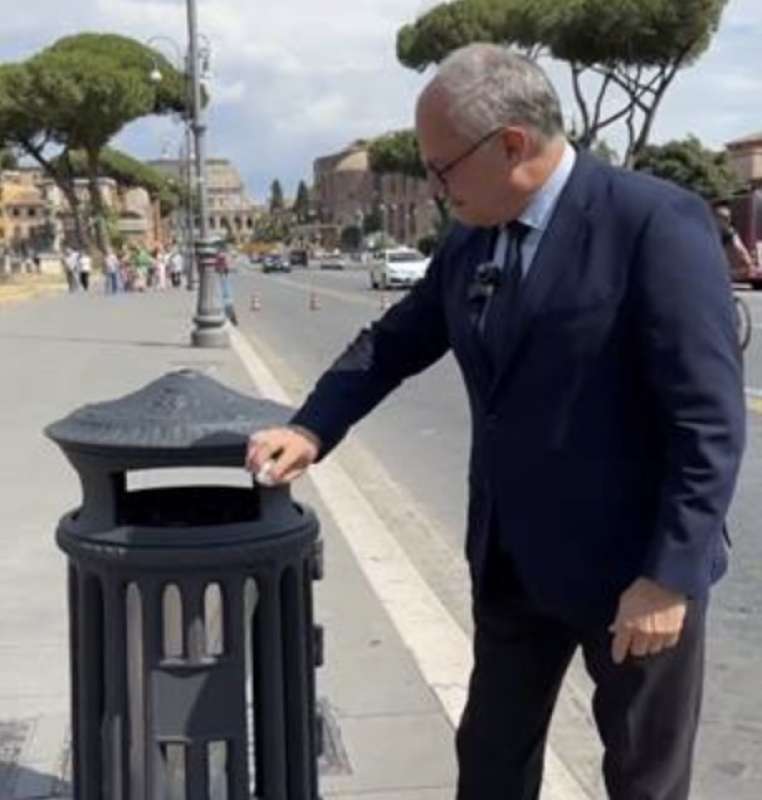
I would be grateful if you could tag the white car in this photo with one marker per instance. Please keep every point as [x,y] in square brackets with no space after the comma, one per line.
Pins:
[398,266]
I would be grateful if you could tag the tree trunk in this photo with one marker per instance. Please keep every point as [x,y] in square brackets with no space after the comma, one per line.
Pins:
[81,233]
[65,182]
[96,201]
[641,140]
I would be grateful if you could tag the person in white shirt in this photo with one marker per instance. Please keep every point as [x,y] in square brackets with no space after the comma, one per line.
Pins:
[176,267]
[112,272]
[71,267]
[161,269]
[85,268]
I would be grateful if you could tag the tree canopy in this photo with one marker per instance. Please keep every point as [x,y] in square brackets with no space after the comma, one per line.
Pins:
[276,197]
[77,94]
[396,152]
[690,165]
[632,48]
[130,172]
[302,203]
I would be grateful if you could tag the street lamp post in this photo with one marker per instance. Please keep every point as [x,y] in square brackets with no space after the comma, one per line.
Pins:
[209,330]
[189,222]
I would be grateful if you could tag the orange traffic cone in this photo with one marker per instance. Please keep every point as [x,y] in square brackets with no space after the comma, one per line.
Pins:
[256,303]
[314,301]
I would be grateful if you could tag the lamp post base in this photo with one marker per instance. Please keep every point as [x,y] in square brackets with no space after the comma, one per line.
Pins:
[209,323]
[210,337]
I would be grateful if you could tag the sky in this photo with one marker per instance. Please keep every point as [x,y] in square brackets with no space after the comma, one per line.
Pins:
[297,79]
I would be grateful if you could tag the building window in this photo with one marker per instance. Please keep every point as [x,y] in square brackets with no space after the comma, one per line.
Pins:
[16,212]
[31,212]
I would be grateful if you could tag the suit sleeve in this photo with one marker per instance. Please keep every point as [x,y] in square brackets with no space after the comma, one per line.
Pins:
[407,339]
[694,371]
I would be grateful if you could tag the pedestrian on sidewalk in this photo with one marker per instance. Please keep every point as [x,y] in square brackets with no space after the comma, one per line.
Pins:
[71,267]
[606,395]
[160,260]
[111,267]
[222,268]
[176,267]
[85,268]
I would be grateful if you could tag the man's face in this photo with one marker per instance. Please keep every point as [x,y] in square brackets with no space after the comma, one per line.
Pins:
[475,176]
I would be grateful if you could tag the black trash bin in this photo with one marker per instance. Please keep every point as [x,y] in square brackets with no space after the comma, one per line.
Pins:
[192,640]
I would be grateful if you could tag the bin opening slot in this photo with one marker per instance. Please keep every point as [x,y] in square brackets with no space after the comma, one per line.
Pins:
[188,506]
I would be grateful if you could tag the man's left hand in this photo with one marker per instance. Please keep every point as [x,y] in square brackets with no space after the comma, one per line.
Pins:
[649,619]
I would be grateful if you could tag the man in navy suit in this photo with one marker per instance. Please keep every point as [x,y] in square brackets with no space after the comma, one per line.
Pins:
[590,312]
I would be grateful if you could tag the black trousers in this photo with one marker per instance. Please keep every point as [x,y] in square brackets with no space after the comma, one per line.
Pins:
[646,709]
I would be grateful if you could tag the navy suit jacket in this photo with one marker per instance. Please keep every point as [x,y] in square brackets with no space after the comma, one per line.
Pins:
[607,442]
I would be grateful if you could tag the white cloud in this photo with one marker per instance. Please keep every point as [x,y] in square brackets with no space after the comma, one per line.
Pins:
[229,93]
[295,79]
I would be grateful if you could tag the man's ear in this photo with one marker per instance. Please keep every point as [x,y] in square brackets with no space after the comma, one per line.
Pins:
[516,144]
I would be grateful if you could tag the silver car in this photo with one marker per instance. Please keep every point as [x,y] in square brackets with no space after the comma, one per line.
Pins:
[397,266]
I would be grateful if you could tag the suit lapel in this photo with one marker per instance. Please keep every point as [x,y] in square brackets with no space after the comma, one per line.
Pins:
[560,246]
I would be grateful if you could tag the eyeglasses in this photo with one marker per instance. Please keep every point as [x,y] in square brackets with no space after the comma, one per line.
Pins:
[442,172]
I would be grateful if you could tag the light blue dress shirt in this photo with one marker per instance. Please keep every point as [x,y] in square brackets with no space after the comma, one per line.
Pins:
[539,212]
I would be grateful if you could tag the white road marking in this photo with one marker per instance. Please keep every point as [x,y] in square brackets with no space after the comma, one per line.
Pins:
[439,645]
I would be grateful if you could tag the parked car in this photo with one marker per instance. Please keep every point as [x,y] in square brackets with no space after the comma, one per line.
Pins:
[276,263]
[397,266]
[299,258]
[332,260]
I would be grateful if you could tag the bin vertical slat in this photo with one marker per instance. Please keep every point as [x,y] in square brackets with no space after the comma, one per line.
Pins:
[153,776]
[89,686]
[76,737]
[115,669]
[308,575]
[234,617]
[136,691]
[197,771]
[270,724]
[296,635]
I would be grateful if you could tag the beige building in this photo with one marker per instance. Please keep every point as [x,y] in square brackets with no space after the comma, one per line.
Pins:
[745,156]
[35,215]
[230,208]
[346,191]
[139,218]
[24,213]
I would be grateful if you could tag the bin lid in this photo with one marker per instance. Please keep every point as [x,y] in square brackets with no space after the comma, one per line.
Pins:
[184,417]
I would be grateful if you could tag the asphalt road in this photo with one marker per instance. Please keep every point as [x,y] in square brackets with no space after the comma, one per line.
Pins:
[420,437]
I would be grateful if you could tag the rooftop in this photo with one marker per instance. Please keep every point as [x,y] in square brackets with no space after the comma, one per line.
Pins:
[753,138]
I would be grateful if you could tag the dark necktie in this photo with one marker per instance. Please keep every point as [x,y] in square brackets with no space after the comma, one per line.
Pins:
[504,303]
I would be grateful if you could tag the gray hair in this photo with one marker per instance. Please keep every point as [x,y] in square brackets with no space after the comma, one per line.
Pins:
[488,86]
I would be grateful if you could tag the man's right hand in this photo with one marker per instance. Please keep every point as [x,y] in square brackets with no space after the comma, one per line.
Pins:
[280,455]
